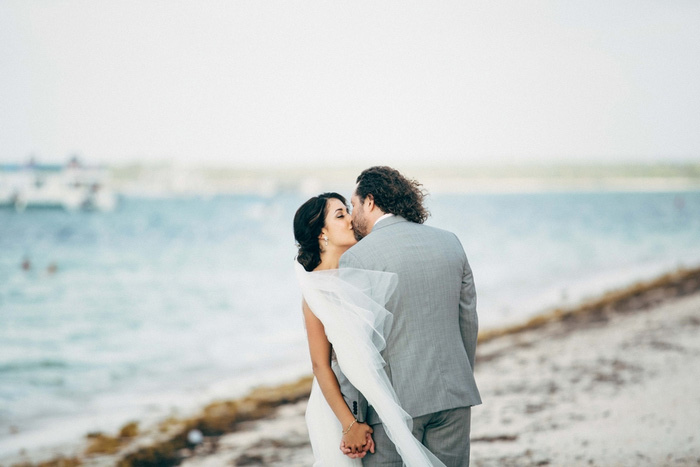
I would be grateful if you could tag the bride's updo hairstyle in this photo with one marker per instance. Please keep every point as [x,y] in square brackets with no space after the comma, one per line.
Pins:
[309,219]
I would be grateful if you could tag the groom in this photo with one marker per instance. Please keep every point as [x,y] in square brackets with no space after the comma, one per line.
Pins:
[430,350]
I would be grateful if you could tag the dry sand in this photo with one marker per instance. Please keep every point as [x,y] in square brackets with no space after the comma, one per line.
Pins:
[620,391]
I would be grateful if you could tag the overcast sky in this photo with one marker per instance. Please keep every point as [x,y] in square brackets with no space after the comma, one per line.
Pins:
[323,83]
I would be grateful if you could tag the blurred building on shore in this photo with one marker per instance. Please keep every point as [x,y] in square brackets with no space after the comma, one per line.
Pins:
[71,186]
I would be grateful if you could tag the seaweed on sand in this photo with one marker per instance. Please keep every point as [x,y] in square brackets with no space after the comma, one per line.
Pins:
[640,296]
[217,419]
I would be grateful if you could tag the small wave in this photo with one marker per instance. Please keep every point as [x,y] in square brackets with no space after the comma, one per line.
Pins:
[31,365]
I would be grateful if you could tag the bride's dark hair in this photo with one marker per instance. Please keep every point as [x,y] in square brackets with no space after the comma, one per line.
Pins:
[308,222]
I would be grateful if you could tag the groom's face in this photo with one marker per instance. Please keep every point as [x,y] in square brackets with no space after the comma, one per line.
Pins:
[360,225]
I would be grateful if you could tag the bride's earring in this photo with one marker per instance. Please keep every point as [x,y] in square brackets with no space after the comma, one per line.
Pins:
[325,239]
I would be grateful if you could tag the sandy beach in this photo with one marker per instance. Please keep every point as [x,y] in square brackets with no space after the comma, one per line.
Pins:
[612,382]
[616,390]
[611,388]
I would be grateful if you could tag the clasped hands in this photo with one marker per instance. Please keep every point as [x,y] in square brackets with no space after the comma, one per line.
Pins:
[357,441]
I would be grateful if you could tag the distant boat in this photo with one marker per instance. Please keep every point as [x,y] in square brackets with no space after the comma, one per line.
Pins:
[73,186]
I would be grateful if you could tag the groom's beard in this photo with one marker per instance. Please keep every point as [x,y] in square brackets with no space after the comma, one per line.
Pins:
[359,228]
[358,235]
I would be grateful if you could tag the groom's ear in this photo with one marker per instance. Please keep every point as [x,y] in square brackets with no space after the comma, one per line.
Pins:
[369,200]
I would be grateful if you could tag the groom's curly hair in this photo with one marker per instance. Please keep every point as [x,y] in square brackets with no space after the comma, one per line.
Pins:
[393,193]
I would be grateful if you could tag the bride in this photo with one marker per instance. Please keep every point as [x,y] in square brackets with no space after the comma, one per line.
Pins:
[346,325]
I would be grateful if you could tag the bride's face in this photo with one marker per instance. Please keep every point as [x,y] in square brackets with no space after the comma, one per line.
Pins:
[338,226]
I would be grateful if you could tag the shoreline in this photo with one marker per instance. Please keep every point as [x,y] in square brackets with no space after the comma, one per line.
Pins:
[270,187]
[636,297]
[175,179]
[240,428]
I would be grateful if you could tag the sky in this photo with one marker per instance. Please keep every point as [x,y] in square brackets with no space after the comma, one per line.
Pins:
[323,83]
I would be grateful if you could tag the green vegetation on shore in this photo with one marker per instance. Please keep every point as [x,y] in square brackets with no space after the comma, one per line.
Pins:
[532,170]
[227,179]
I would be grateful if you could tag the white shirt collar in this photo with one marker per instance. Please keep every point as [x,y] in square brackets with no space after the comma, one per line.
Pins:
[385,216]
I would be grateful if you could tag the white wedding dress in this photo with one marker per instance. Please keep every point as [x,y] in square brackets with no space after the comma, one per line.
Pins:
[350,304]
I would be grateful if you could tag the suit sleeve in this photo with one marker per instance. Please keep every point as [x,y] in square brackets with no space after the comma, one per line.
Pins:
[468,319]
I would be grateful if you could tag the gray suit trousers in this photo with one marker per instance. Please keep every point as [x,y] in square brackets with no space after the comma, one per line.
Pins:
[445,433]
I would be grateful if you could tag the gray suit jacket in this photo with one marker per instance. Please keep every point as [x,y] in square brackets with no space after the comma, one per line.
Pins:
[430,350]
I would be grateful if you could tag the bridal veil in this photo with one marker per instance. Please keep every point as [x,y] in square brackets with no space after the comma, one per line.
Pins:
[350,304]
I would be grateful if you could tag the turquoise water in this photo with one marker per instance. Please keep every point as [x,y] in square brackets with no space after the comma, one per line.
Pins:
[165,304]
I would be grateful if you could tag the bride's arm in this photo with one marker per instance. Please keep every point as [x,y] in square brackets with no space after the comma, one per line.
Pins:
[320,350]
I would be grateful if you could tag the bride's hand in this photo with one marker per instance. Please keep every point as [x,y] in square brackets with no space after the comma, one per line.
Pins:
[357,440]
[369,447]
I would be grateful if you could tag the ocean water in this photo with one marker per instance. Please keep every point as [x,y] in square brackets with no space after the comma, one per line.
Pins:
[165,304]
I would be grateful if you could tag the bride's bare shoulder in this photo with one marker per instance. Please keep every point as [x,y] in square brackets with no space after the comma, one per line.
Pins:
[305,307]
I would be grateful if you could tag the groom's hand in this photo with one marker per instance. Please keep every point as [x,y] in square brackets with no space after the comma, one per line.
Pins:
[345,450]
[369,447]
[370,444]
[357,441]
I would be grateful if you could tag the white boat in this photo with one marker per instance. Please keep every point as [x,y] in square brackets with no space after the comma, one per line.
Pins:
[70,187]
